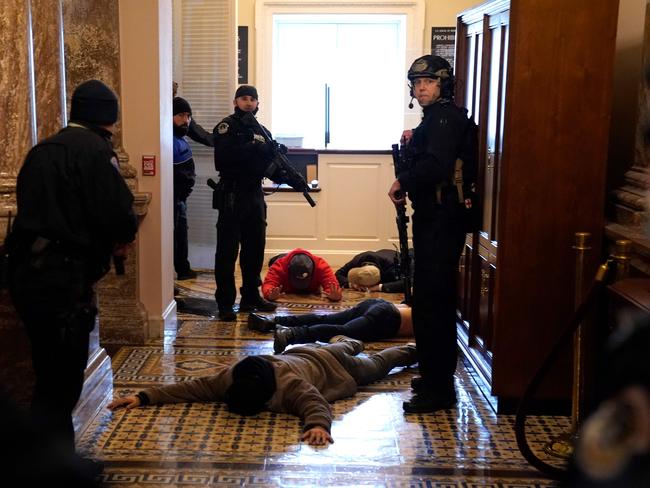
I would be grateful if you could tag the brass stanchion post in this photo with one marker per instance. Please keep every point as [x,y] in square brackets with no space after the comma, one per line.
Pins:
[622,253]
[562,445]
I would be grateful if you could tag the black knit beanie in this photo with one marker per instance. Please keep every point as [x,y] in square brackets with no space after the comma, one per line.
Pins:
[244,90]
[253,384]
[94,102]
[181,106]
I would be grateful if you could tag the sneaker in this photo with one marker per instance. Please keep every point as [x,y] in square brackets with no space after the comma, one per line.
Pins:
[426,402]
[358,345]
[227,315]
[190,274]
[261,323]
[282,337]
[257,304]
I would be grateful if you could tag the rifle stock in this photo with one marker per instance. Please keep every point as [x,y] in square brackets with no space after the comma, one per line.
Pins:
[402,221]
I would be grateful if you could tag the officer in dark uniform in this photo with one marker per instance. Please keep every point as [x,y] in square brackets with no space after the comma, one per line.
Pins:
[241,155]
[184,178]
[443,167]
[74,214]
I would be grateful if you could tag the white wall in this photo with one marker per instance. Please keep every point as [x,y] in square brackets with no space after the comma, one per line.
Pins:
[146,72]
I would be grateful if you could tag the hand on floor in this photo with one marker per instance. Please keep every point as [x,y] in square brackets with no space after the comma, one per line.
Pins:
[317,436]
[129,402]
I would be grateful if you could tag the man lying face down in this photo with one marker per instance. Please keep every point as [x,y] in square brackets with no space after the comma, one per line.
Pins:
[301,381]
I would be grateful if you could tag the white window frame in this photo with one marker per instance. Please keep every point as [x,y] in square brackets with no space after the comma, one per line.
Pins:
[266,9]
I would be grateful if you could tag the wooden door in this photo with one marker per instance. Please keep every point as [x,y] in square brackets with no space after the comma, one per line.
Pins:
[482,50]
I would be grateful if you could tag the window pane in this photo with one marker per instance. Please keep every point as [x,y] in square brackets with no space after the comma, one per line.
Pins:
[361,59]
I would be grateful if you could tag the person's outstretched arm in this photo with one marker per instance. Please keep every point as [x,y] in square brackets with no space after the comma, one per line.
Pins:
[205,389]
[303,399]
[199,134]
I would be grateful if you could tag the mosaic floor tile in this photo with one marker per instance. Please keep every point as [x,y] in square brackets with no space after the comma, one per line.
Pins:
[375,443]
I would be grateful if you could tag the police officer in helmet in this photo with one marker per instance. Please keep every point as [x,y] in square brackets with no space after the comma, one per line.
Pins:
[443,157]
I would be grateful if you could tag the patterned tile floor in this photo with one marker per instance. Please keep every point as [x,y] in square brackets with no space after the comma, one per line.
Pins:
[375,444]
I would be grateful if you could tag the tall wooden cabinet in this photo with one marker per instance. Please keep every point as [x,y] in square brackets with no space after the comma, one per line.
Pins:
[536,76]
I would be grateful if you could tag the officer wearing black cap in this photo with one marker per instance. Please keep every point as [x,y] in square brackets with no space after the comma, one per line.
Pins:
[443,167]
[74,213]
[241,155]
[184,178]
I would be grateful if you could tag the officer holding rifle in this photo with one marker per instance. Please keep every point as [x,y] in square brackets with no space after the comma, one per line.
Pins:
[442,157]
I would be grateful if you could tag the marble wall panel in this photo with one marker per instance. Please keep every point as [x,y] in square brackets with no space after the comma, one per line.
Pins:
[16,88]
[92,45]
[48,66]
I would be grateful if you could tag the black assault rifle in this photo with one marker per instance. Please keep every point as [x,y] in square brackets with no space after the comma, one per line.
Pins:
[279,169]
[401,162]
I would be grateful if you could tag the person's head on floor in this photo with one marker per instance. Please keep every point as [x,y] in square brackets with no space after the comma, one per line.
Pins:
[613,448]
[95,103]
[365,276]
[246,99]
[253,385]
[301,269]
[182,115]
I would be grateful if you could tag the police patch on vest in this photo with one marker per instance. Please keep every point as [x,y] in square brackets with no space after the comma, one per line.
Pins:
[222,128]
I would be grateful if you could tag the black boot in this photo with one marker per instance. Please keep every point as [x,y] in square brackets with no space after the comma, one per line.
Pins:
[227,315]
[282,338]
[428,402]
[260,323]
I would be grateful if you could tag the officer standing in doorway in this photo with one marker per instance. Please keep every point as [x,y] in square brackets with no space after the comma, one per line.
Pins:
[241,155]
[443,166]
[74,215]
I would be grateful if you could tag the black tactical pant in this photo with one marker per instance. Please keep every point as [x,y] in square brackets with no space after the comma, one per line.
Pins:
[241,224]
[181,262]
[438,238]
[373,319]
[55,300]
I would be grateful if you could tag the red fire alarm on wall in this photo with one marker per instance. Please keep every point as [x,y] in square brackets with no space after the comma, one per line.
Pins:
[148,165]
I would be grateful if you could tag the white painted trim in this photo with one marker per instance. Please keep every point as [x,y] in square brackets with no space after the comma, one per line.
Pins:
[158,324]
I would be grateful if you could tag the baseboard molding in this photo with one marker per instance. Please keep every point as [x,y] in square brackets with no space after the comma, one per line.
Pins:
[97,389]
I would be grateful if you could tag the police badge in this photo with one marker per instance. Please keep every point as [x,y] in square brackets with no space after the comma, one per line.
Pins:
[222,128]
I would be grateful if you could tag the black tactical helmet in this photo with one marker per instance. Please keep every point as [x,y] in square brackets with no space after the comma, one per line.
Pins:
[429,66]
